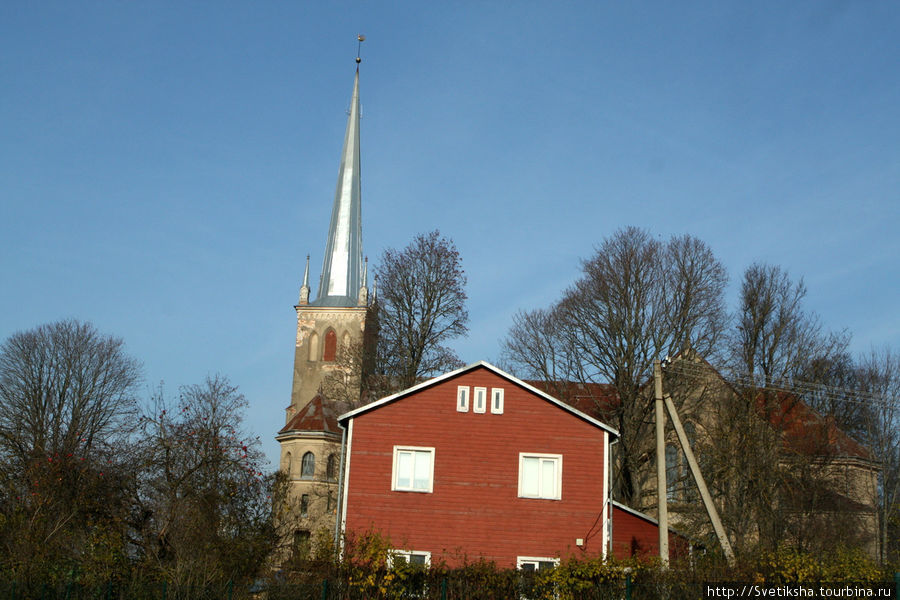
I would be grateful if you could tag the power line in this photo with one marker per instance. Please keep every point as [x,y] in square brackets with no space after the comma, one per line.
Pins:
[796,387]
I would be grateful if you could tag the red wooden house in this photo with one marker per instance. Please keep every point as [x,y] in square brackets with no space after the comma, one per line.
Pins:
[479,464]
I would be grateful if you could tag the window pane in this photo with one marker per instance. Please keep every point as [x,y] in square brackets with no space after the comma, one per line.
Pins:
[548,478]
[531,477]
[480,399]
[423,470]
[417,559]
[331,468]
[404,470]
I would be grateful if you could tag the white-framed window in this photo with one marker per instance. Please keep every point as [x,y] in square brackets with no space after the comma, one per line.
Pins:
[462,398]
[480,402]
[412,557]
[540,476]
[535,563]
[497,401]
[413,469]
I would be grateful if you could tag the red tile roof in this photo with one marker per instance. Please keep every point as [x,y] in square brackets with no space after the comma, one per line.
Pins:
[317,415]
[805,430]
[598,400]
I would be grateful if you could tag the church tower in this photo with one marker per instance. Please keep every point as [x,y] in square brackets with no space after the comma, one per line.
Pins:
[329,341]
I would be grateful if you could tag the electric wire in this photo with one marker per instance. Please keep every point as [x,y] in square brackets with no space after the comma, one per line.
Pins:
[796,387]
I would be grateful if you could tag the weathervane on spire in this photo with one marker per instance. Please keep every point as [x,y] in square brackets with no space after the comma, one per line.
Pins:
[361,38]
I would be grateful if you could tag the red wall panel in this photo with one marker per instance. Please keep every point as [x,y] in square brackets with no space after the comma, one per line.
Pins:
[638,537]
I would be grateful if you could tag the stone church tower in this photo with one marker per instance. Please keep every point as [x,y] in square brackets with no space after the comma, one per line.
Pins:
[328,328]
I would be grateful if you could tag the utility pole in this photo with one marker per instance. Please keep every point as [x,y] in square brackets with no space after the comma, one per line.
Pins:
[701,483]
[661,488]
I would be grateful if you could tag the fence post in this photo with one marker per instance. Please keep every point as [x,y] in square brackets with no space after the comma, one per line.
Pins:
[444,588]
[165,589]
[897,585]
[230,589]
[627,586]
[108,590]
[324,589]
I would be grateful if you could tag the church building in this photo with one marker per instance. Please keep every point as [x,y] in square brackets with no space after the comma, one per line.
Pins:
[330,330]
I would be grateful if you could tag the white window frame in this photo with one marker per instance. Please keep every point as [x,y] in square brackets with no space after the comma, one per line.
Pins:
[536,561]
[408,554]
[394,470]
[462,398]
[480,394]
[496,401]
[557,458]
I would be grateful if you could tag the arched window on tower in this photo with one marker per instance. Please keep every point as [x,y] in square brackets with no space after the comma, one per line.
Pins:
[308,466]
[330,346]
[314,346]
[286,467]
[331,468]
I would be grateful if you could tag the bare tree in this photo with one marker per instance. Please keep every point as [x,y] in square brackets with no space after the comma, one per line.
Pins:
[421,305]
[638,299]
[67,407]
[831,384]
[537,346]
[64,388]
[205,504]
[779,344]
[776,338]
[879,379]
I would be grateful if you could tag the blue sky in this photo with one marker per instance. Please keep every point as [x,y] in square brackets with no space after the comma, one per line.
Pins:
[165,167]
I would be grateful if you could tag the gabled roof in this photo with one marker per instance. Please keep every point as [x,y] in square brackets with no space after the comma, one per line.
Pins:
[317,416]
[480,364]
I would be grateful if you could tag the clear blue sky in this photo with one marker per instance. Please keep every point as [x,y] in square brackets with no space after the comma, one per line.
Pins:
[165,167]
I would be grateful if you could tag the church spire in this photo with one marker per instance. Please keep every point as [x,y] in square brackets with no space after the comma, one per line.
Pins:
[342,267]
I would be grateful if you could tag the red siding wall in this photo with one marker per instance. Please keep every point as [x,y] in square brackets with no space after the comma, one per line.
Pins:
[475,510]
[634,536]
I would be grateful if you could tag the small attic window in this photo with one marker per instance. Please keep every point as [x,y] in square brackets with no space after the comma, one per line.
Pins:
[462,398]
[497,401]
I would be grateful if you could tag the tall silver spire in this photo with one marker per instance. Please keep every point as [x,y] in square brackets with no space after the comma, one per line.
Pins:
[342,267]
